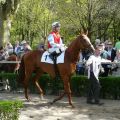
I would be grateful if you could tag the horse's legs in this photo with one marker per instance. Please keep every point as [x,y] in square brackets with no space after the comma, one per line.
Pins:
[67,89]
[59,98]
[25,83]
[35,79]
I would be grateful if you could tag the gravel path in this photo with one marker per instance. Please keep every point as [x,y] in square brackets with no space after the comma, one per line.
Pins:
[41,109]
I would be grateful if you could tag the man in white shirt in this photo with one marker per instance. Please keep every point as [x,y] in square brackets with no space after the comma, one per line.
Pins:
[94,65]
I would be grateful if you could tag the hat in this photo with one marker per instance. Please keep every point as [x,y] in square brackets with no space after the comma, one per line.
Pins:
[109,43]
[55,24]
[97,41]
[23,42]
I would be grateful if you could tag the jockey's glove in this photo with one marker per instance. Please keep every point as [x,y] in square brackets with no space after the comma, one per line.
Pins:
[63,45]
[58,50]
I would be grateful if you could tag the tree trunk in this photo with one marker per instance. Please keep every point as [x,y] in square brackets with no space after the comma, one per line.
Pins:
[6,9]
[90,2]
[7,27]
[1,29]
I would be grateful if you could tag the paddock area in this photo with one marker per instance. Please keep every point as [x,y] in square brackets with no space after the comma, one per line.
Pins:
[42,110]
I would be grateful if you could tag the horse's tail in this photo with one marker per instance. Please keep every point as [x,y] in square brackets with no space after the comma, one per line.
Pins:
[21,73]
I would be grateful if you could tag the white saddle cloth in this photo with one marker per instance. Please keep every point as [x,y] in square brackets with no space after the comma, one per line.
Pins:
[45,58]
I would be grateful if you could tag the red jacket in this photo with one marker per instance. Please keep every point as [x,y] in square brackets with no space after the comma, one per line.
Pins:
[56,37]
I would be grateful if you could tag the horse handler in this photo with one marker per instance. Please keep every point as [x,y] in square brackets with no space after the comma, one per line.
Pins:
[94,66]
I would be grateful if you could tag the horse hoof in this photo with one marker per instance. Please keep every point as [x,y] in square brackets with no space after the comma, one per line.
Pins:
[42,98]
[73,106]
[51,103]
[28,100]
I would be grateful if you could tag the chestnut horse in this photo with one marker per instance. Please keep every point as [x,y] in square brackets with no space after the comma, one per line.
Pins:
[10,67]
[31,62]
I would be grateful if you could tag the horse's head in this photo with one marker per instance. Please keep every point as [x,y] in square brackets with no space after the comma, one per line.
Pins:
[85,43]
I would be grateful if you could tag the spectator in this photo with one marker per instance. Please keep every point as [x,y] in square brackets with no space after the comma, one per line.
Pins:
[3,54]
[9,48]
[17,47]
[41,47]
[104,54]
[116,65]
[97,42]
[113,54]
[24,48]
[117,45]
[80,66]
[27,47]
[109,48]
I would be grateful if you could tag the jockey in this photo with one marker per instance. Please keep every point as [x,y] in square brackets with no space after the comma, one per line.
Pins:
[55,43]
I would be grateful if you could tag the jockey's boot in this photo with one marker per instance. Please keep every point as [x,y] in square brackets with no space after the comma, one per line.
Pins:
[52,55]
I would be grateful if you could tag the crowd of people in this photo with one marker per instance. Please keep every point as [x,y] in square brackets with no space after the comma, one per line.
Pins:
[19,49]
[109,51]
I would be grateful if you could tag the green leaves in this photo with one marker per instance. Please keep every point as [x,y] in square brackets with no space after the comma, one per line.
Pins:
[9,110]
[34,18]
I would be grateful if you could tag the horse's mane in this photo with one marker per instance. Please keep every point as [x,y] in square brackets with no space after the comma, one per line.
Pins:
[73,50]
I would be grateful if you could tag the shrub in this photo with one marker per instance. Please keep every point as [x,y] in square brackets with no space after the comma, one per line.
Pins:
[9,110]
[110,85]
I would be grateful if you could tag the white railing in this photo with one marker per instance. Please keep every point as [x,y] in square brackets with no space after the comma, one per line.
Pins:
[104,62]
[4,61]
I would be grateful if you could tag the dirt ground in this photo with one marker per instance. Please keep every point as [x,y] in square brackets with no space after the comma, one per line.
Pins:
[42,110]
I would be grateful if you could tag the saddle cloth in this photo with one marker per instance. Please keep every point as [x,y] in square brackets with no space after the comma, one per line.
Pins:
[45,58]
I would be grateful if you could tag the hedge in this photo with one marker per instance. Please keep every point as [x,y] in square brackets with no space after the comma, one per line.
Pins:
[110,85]
[9,110]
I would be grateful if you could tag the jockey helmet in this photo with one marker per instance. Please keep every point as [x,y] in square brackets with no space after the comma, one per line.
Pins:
[55,24]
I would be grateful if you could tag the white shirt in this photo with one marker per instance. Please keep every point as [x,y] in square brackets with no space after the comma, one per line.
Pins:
[96,65]
[52,43]
[55,46]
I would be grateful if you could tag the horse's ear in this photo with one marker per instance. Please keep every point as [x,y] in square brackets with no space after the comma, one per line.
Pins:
[84,31]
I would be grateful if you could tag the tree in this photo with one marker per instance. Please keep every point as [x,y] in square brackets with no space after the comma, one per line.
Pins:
[32,22]
[7,8]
